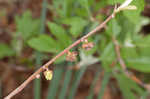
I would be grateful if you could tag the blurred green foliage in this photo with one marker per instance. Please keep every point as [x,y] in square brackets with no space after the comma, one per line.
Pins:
[129,87]
[72,19]
[5,50]
[27,26]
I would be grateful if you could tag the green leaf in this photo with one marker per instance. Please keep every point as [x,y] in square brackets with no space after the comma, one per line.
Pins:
[143,21]
[108,56]
[141,63]
[85,4]
[113,28]
[67,7]
[5,50]
[60,59]
[128,87]
[112,2]
[65,85]
[104,84]
[142,45]
[76,81]
[63,8]
[60,34]
[81,12]
[27,26]
[129,52]
[44,43]
[77,24]
[135,59]
[127,27]
[142,41]
[134,15]
[99,4]
[95,79]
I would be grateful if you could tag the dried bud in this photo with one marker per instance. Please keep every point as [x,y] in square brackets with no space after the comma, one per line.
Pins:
[38,76]
[48,74]
[87,45]
[71,56]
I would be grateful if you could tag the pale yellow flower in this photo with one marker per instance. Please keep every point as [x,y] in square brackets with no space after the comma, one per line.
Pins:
[126,6]
[48,74]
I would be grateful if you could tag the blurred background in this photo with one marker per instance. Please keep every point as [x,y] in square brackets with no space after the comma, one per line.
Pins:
[34,31]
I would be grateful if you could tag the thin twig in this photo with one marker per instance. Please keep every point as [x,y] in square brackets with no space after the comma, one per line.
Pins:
[124,67]
[33,76]
[117,50]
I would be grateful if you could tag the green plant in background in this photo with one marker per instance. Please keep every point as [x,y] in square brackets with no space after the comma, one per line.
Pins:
[26,27]
[72,18]
[45,43]
[79,22]
[127,87]
[5,50]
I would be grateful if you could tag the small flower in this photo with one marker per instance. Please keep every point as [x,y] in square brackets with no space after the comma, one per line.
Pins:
[87,45]
[126,6]
[130,7]
[48,74]
[71,56]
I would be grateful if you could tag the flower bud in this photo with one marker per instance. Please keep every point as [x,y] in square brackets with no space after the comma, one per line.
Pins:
[87,45]
[71,56]
[48,74]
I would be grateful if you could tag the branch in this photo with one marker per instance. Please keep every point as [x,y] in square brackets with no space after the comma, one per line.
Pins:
[120,60]
[33,76]
[124,67]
